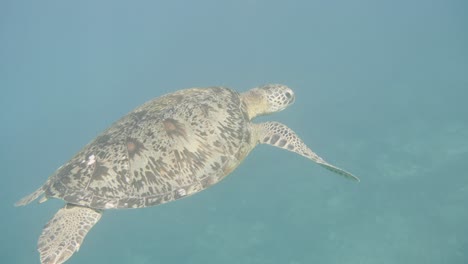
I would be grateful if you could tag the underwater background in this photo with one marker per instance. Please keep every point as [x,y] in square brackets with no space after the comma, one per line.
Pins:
[381,86]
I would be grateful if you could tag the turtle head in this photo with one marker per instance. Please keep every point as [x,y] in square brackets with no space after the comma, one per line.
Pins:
[267,99]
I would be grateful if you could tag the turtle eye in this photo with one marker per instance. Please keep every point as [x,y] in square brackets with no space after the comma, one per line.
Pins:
[288,95]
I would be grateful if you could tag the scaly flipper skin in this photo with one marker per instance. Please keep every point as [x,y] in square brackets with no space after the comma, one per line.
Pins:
[279,135]
[64,233]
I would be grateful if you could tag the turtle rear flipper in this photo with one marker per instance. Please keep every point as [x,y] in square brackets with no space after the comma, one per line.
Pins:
[31,197]
[64,233]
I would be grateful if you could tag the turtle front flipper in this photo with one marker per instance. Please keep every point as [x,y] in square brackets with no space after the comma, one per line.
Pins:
[279,135]
[64,233]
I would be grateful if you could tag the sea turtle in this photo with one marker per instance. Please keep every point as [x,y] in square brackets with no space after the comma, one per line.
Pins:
[168,148]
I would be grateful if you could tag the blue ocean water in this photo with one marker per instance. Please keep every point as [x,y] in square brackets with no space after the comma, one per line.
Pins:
[381,91]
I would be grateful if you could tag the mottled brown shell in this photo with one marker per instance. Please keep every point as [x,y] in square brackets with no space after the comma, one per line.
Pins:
[166,149]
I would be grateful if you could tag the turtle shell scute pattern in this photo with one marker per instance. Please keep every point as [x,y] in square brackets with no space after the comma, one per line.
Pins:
[166,149]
